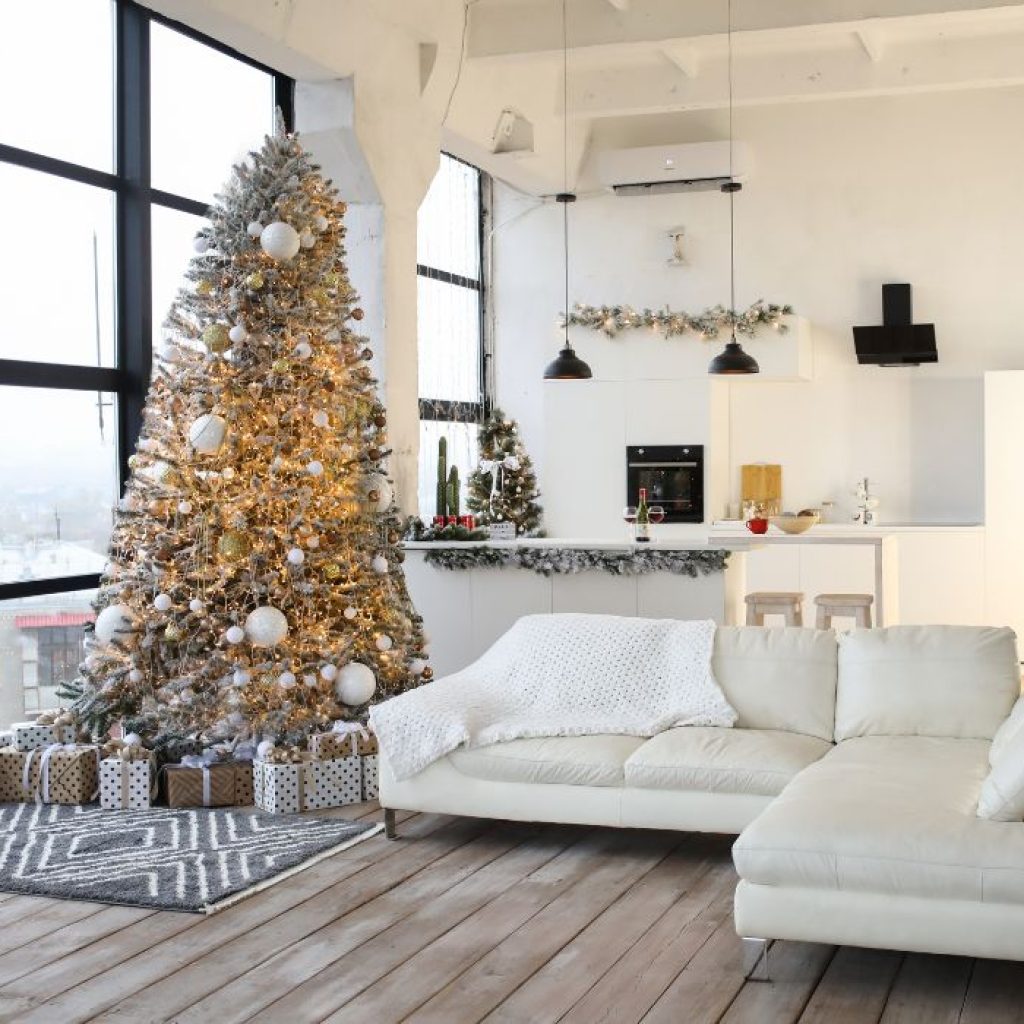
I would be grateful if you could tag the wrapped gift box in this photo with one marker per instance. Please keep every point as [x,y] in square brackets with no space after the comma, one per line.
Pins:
[244,792]
[126,785]
[310,785]
[371,787]
[29,735]
[12,773]
[327,745]
[209,785]
[61,774]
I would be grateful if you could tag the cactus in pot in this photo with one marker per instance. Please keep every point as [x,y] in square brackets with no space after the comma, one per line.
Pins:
[442,477]
[453,492]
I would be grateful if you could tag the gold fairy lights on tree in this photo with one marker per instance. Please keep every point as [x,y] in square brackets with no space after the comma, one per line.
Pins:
[255,585]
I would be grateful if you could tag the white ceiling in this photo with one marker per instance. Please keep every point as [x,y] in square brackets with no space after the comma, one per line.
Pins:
[640,71]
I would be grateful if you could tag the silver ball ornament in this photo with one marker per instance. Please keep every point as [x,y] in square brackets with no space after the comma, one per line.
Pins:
[280,241]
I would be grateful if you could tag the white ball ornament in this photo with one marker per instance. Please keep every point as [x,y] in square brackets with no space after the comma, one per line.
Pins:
[296,556]
[416,666]
[240,677]
[355,684]
[315,468]
[201,243]
[266,626]
[379,564]
[254,229]
[384,642]
[238,333]
[309,679]
[234,634]
[320,222]
[280,241]
[379,484]
[206,434]
[162,602]
[320,418]
[196,606]
[303,350]
[133,739]
[184,507]
[264,748]
[114,623]
[307,239]
[329,672]
[350,613]
[286,680]
[135,676]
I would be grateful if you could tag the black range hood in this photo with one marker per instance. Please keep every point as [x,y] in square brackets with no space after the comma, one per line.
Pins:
[899,341]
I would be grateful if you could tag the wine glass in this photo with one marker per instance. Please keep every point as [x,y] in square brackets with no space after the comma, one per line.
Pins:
[629,515]
[656,514]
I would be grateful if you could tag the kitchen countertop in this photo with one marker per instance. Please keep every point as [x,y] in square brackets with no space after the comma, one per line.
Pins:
[739,542]
[839,532]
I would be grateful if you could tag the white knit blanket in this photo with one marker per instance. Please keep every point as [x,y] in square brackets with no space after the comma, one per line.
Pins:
[560,675]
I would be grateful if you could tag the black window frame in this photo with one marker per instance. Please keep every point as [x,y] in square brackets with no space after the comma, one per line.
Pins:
[135,197]
[446,410]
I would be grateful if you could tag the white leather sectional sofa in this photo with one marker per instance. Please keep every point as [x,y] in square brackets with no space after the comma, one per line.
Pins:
[852,777]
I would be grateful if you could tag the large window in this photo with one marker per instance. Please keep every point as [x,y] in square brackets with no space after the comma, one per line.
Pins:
[452,367]
[118,128]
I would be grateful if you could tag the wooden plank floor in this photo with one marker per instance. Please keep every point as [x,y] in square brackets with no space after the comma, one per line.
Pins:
[466,920]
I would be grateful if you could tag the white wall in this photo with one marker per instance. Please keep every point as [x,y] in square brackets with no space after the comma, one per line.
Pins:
[844,196]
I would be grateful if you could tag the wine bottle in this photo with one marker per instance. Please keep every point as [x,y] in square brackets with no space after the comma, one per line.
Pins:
[643,519]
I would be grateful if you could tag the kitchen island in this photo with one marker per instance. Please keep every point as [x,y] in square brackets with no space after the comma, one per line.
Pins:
[468,605]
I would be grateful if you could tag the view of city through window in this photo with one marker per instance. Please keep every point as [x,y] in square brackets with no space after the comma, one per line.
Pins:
[59,288]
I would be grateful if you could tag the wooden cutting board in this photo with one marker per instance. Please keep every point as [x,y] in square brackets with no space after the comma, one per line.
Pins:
[762,482]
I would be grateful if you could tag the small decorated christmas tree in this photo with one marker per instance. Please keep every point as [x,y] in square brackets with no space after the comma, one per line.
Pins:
[254,585]
[503,487]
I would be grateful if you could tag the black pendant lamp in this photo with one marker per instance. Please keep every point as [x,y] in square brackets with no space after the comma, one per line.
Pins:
[568,365]
[732,359]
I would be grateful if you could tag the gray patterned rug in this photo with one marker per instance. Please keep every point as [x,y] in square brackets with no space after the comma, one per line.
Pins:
[192,859]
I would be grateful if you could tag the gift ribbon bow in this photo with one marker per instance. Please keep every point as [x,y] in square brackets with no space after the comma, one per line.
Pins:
[200,761]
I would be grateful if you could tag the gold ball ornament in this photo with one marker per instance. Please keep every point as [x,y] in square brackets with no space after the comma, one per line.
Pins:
[357,314]
[281,366]
[215,338]
[172,632]
[427,674]
[233,544]
[255,281]
[332,571]
[204,287]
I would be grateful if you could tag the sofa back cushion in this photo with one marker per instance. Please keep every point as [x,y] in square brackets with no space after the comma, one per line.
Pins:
[778,678]
[956,681]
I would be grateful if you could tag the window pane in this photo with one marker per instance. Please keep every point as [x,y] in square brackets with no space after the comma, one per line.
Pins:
[449,341]
[57,482]
[57,289]
[173,233]
[40,648]
[57,80]
[448,229]
[208,111]
[462,452]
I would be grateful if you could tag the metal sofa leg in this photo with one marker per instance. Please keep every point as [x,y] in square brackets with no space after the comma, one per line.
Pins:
[390,828]
[755,960]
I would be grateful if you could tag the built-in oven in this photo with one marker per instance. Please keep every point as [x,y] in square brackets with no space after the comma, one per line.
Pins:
[673,475]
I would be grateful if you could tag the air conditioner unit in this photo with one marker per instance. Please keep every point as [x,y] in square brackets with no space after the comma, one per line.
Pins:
[690,167]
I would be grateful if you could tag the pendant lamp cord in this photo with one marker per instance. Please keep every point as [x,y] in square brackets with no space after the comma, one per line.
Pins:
[565,160]
[732,194]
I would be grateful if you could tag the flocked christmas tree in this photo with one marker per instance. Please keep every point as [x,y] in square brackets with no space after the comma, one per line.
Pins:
[503,487]
[254,584]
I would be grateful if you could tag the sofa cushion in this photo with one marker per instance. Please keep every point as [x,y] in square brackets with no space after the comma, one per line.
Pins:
[1002,792]
[565,760]
[778,678]
[1007,731]
[758,761]
[888,814]
[957,681]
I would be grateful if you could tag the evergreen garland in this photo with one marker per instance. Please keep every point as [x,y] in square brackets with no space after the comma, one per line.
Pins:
[559,561]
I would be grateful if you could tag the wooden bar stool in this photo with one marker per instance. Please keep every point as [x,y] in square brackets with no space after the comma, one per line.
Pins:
[855,606]
[770,602]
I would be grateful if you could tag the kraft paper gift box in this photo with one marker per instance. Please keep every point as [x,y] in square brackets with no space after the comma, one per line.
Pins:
[62,774]
[30,735]
[126,785]
[244,792]
[290,787]
[200,785]
[12,772]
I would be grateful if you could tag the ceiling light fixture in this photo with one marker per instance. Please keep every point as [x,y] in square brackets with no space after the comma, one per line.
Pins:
[567,365]
[732,360]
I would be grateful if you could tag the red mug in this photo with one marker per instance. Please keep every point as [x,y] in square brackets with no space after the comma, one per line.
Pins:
[757,525]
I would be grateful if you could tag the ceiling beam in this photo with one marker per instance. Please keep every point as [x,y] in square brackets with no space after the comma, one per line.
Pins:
[871,41]
[684,57]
